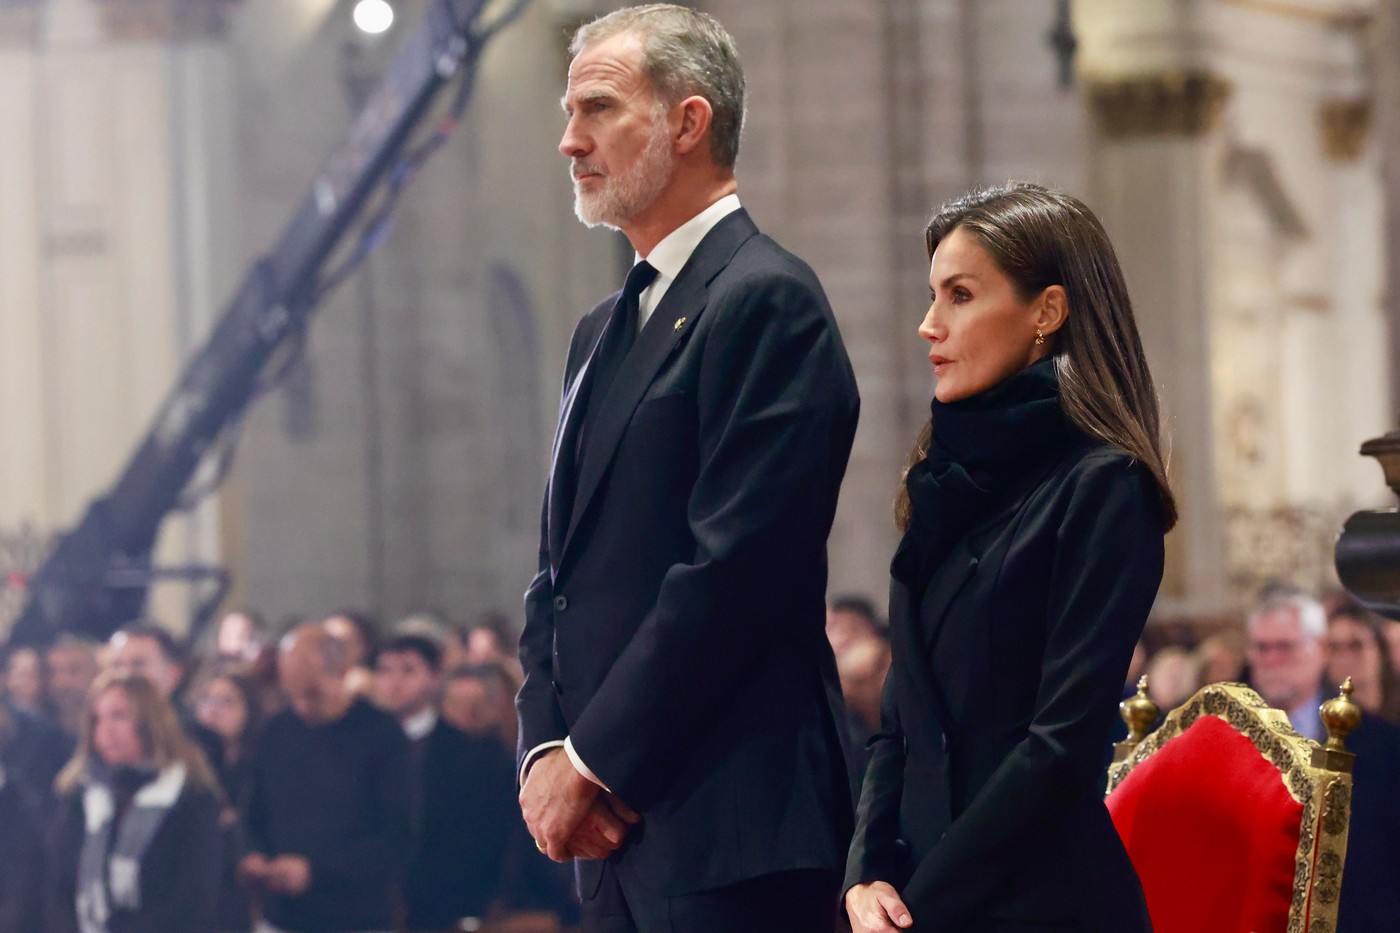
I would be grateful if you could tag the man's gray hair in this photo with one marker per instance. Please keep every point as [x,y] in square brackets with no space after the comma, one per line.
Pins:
[1312,617]
[685,53]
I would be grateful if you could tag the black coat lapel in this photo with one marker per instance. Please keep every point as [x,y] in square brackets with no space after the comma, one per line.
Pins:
[925,713]
[942,588]
[656,342]
[563,465]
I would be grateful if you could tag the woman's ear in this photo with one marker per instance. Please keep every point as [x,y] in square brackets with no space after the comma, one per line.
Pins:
[695,117]
[1052,309]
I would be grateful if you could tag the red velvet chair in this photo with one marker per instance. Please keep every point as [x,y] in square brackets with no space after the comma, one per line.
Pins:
[1234,822]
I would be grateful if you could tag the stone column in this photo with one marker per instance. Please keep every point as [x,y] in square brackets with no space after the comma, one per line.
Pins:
[1235,175]
[114,212]
[24,474]
[1156,105]
[1386,60]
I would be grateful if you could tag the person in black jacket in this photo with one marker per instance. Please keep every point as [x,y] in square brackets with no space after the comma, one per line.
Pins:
[1034,513]
[226,703]
[463,793]
[21,848]
[138,846]
[329,822]
[674,650]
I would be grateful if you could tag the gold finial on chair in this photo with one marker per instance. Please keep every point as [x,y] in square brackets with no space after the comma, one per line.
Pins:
[1341,715]
[1140,714]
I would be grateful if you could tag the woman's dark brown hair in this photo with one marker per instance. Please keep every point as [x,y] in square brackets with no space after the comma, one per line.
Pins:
[1038,238]
[1374,625]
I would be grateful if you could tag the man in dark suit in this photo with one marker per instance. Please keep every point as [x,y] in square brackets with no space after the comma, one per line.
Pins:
[680,697]
[1287,649]
[461,791]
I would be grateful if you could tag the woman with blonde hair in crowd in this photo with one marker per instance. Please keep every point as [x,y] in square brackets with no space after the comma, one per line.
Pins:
[138,847]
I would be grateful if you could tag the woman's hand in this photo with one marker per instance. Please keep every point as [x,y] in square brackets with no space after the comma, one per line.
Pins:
[876,906]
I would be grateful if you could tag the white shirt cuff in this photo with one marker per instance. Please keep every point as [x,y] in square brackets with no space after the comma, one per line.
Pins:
[580,766]
[534,753]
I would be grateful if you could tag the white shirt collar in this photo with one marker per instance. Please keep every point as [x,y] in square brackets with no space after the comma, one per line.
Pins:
[670,255]
[420,724]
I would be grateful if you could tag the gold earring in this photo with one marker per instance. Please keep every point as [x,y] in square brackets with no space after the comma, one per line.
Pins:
[1039,338]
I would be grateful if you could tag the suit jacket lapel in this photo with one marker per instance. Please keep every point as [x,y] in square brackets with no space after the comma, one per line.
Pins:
[656,342]
[942,588]
[562,470]
[926,713]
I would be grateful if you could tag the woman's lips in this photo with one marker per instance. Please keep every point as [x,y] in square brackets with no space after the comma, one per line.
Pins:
[940,363]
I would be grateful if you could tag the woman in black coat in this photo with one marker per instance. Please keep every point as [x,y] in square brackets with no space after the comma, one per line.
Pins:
[138,847]
[1034,512]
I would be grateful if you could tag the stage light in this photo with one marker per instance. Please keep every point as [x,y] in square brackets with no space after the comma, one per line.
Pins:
[373,16]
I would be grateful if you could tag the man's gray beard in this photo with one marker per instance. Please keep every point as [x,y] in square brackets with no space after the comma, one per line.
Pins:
[625,195]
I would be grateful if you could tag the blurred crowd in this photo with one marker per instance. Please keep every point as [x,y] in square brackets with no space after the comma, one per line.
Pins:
[339,775]
[334,775]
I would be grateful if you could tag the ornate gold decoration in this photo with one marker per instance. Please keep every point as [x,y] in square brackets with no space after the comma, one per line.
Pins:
[1169,103]
[1291,543]
[1140,714]
[165,20]
[1386,450]
[1341,716]
[1346,124]
[1325,794]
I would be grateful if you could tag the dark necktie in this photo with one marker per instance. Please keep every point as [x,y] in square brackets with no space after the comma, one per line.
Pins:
[618,336]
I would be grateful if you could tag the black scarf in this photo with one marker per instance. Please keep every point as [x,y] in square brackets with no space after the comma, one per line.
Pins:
[984,447]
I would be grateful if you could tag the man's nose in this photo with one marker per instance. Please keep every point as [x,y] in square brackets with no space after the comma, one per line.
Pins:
[573,144]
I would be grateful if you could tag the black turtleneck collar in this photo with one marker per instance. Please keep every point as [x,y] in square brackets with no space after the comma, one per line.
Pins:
[982,447]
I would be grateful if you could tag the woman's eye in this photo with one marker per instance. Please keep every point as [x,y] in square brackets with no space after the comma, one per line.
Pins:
[961,295]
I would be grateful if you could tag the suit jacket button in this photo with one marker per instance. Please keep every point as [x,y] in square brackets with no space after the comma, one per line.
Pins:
[560,603]
[558,687]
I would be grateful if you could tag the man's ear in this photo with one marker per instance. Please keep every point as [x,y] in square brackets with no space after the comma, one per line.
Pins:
[693,129]
[1052,310]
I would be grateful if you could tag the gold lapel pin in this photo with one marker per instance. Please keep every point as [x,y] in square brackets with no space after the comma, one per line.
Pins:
[680,322]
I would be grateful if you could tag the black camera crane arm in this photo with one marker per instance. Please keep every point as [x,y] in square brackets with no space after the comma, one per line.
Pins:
[92,581]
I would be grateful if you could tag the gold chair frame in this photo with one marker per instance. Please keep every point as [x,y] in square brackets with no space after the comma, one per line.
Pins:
[1317,776]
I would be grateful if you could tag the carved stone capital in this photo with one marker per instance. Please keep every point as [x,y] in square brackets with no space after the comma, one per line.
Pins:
[20,21]
[1346,124]
[165,20]
[1170,103]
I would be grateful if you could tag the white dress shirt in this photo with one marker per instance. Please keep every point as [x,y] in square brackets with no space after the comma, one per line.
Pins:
[420,724]
[668,258]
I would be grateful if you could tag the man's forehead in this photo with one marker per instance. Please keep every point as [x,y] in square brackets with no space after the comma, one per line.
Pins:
[613,63]
[142,645]
[1281,621]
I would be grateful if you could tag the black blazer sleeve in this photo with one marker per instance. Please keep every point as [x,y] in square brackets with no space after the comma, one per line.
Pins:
[537,704]
[1106,570]
[776,404]
[875,846]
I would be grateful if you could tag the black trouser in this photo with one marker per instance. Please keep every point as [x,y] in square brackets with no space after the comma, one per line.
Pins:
[787,902]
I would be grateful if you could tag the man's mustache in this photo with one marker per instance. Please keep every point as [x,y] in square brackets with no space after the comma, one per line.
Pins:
[581,168]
